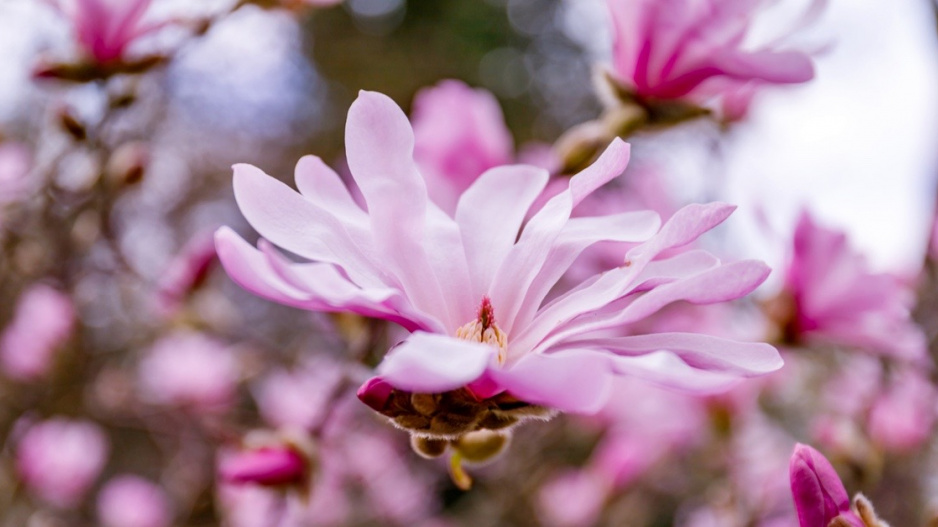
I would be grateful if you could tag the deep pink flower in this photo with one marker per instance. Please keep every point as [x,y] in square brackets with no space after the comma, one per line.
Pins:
[106,28]
[838,300]
[472,289]
[59,459]
[694,49]
[818,493]
[131,501]
[266,466]
[43,321]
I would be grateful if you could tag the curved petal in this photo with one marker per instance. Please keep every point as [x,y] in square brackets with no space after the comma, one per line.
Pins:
[667,369]
[284,217]
[490,213]
[685,226]
[432,363]
[726,282]
[319,288]
[527,256]
[321,185]
[570,381]
[699,351]
[579,234]
[379,146]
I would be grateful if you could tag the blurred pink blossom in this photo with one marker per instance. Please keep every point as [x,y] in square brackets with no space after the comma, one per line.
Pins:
[695,50]
[902,417]
[472,290]
[105,28]
[190,370]
[186,272]
[131,501]
[452,157]
[572,499]
[838,300]
[819,495]
[15,164]
[266,466]
[43,321]
[299,398]
[59,459]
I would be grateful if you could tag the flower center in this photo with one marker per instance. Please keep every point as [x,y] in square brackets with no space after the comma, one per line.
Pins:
[484,329]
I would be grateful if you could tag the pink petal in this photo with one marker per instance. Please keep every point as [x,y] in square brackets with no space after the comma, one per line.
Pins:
[570,381]
[316,287]
[321,185]
[490,213]
[699,351]
[719,284]
[380,146]
[682,228]
[288,220]
[527,257]
[667,369]
[433,363]
[579,234]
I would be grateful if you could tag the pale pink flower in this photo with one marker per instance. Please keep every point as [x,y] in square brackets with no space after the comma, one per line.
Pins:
[43,321]
[131,501]
[471,287]
[819,495]
[59,459]
[106,28]
[838,300]
[190,370]
[695,49]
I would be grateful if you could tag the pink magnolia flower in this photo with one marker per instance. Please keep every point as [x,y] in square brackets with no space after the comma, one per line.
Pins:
[105,28]
[690,49]
[131,501]
[43,321]
[838,300]
[190,370]
[485,349]
[59,459]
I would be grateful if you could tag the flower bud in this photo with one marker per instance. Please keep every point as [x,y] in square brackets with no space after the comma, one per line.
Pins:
[819,495]
[481,445]
[427,447]
[375,393]
[269,466]
[127,164]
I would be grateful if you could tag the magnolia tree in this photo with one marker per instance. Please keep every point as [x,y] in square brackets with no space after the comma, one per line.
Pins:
[428,324]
